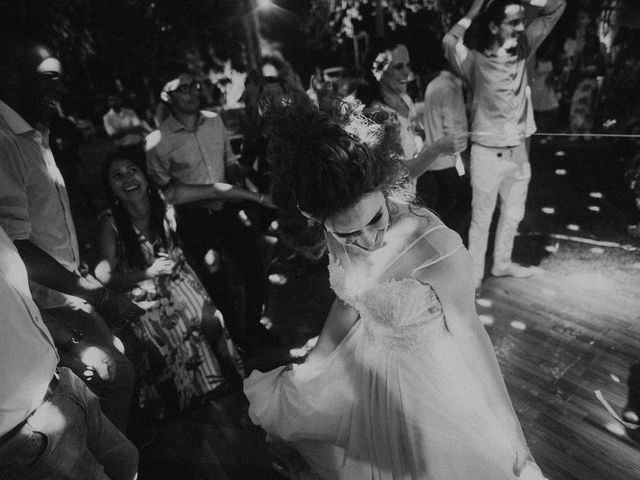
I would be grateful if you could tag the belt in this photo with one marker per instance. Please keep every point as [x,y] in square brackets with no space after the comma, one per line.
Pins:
[51,388]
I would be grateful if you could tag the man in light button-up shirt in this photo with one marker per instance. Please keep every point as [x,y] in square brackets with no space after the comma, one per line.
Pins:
[502,118]
[190,158]
[34,212]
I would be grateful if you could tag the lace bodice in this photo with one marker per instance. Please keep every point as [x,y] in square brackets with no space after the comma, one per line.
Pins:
[397,313]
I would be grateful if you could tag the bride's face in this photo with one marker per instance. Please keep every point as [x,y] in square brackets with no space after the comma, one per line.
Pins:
[363,225]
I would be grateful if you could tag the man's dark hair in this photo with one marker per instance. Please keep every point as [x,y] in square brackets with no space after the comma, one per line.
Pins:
[494,12]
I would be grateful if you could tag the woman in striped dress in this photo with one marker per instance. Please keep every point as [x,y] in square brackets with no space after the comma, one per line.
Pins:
[139,254]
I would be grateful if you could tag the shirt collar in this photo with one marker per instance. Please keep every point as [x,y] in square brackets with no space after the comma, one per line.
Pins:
[18,124]
[175,125]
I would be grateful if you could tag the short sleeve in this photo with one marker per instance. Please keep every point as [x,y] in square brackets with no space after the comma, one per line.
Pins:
[108,127]
[157,165]
[14,204]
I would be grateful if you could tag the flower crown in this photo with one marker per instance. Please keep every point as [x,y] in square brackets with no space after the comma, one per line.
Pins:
[381,64]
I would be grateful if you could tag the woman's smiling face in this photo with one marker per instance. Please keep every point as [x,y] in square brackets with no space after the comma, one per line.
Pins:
[362,225]
[126,180]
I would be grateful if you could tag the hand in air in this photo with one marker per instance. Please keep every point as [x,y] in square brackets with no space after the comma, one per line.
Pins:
[97,362]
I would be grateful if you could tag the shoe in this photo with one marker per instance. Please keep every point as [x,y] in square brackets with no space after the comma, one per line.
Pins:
[513,270]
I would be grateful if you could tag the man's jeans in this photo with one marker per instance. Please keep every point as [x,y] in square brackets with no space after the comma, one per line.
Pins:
[497,171]
[68,437]
[115,394]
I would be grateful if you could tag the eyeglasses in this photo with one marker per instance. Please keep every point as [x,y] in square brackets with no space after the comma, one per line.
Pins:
[186,88]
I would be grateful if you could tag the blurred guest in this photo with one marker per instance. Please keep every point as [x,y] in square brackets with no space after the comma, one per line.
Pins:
[139,255]
[35,214]
[544,97]
[444,113]
[124,127]
[51,425]
[190,158]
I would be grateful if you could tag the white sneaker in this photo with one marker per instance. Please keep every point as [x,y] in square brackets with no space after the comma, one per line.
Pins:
[513,270]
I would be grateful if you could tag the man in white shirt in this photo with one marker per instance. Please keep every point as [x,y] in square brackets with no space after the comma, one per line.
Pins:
[124,127]
[443,114]
[502,118]
[51,425]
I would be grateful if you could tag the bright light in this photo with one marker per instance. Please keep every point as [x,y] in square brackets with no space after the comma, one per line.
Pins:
[274,225]
[548,210]
[242,215]
[487,320]
[573,227]
[552,248]
[615,428]
[596,195]
[484,302]
[266,323]
[277,279]
[518,325]
[594,208]
[561,171]
[597,250]
[270,239]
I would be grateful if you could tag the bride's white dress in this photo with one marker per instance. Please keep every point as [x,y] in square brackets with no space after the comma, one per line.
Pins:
[396,399]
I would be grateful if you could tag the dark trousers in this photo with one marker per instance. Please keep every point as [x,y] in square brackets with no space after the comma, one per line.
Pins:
[114,394]
[439,190]
[201,230]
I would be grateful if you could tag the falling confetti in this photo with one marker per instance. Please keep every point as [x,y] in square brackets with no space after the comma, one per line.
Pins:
[560,153]
[561,171]
[573,227]
[594,208]
[595,195]
[548,210]
[597,250]
[518,325]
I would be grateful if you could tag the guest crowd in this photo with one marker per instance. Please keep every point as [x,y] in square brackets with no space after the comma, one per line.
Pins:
[170,300]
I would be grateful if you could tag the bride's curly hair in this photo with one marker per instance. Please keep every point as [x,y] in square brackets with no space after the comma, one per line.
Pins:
[325,159]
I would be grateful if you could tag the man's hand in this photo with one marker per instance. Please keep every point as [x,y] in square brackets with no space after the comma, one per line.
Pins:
[450,144]
[117,309]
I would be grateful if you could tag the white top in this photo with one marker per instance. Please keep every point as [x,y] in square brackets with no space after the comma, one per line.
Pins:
[27,356]
[126,118]
[444,113]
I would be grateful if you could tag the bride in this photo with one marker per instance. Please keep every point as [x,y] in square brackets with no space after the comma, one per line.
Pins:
[403,382]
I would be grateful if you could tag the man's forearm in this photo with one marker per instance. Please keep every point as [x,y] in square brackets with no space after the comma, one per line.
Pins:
[42,268]
[179,193]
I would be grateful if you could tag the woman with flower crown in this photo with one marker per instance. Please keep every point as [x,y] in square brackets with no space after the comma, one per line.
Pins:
[403,382]
[385,98]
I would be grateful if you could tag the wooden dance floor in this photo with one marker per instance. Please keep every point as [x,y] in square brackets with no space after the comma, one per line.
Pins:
[557,343]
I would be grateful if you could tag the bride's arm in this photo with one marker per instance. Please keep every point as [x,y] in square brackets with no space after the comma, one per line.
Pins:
[339,322]
[452,281]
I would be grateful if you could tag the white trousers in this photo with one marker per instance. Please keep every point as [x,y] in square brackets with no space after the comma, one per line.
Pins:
[497,171]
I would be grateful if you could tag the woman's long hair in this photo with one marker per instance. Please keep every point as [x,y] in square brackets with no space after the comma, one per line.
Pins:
[128,242]
[325,161]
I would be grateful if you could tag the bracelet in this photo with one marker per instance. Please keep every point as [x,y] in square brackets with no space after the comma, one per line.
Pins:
[74,341]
